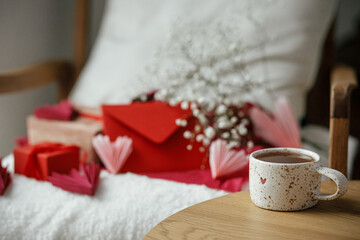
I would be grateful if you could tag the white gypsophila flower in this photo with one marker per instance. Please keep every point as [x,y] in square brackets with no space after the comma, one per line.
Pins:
[185,105]
[207,65]
[225,135]
[199,137]
[187,134]
[210,132]
[206,60]
[221,109]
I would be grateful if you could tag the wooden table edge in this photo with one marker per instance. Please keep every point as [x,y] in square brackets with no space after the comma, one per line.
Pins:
[328,187]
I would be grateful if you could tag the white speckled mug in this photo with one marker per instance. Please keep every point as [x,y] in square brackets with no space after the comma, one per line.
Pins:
[290,186]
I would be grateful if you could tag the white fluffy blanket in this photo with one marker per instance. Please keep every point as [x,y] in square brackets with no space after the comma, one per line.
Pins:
[125,206]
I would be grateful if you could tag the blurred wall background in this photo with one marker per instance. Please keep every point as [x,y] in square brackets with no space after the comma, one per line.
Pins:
[31,32]
[38,30]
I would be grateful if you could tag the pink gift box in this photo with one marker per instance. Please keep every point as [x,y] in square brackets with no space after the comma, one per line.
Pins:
[79,131]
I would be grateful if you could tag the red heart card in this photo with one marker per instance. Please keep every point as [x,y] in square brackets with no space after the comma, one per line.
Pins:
[85,183]
[5,179]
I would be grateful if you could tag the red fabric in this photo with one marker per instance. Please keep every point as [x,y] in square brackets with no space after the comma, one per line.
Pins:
[233,182]
[5,179]
[74,182]
[39,161]
[158,142]
[203,177]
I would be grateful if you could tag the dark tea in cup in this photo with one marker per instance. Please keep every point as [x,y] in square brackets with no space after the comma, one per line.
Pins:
[284,157]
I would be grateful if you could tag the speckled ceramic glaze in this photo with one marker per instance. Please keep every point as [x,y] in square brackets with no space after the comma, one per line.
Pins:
[290,186]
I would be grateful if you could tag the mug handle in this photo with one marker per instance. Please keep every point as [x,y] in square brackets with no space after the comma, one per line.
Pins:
[338,178]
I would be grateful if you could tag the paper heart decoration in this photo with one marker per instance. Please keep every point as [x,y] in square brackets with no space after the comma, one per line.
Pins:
[5,179]
[281,130]
[85,183]
[113,154]
[62,111]
[224,161]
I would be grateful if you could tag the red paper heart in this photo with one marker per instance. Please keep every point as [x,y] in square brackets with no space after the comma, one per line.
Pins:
[263,180]
[5,179]
[75,182]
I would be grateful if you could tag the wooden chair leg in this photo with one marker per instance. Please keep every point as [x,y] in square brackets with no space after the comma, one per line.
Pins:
[342,82]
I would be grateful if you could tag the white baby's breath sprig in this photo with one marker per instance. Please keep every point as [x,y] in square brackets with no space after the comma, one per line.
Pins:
[221,121]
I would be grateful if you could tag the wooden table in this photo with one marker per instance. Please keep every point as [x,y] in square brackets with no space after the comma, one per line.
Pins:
[234,216]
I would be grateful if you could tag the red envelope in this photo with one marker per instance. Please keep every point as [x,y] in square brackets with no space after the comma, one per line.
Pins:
[61,160]
[158,142]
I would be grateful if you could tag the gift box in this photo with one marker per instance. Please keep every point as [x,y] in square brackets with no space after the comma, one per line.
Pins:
[158,142]
[78,131]
[39,161]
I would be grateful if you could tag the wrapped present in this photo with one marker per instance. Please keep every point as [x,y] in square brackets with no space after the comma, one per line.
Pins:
[78,131]
[158,142]
[40,160]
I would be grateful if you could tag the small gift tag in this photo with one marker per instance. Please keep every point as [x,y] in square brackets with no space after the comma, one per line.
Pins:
[224,161]
[113,154]
[85,183]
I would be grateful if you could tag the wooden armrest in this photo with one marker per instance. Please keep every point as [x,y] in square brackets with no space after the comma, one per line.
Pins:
[343,80]
[38,75]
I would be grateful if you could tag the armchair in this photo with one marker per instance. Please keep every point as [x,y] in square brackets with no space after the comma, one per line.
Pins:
[119,210]
[343,80]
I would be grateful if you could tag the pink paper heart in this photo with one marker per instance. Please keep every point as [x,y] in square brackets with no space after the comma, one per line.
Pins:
[224,161]
[113,154]
[282,130]
[62,111]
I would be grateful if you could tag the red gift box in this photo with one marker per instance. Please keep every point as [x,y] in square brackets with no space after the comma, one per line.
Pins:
[39,161]
[158,142]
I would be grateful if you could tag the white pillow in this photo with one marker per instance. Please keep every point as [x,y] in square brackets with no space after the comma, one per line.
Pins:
[278,42]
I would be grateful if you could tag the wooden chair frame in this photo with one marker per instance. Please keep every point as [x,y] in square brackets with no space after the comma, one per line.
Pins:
[65,73]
